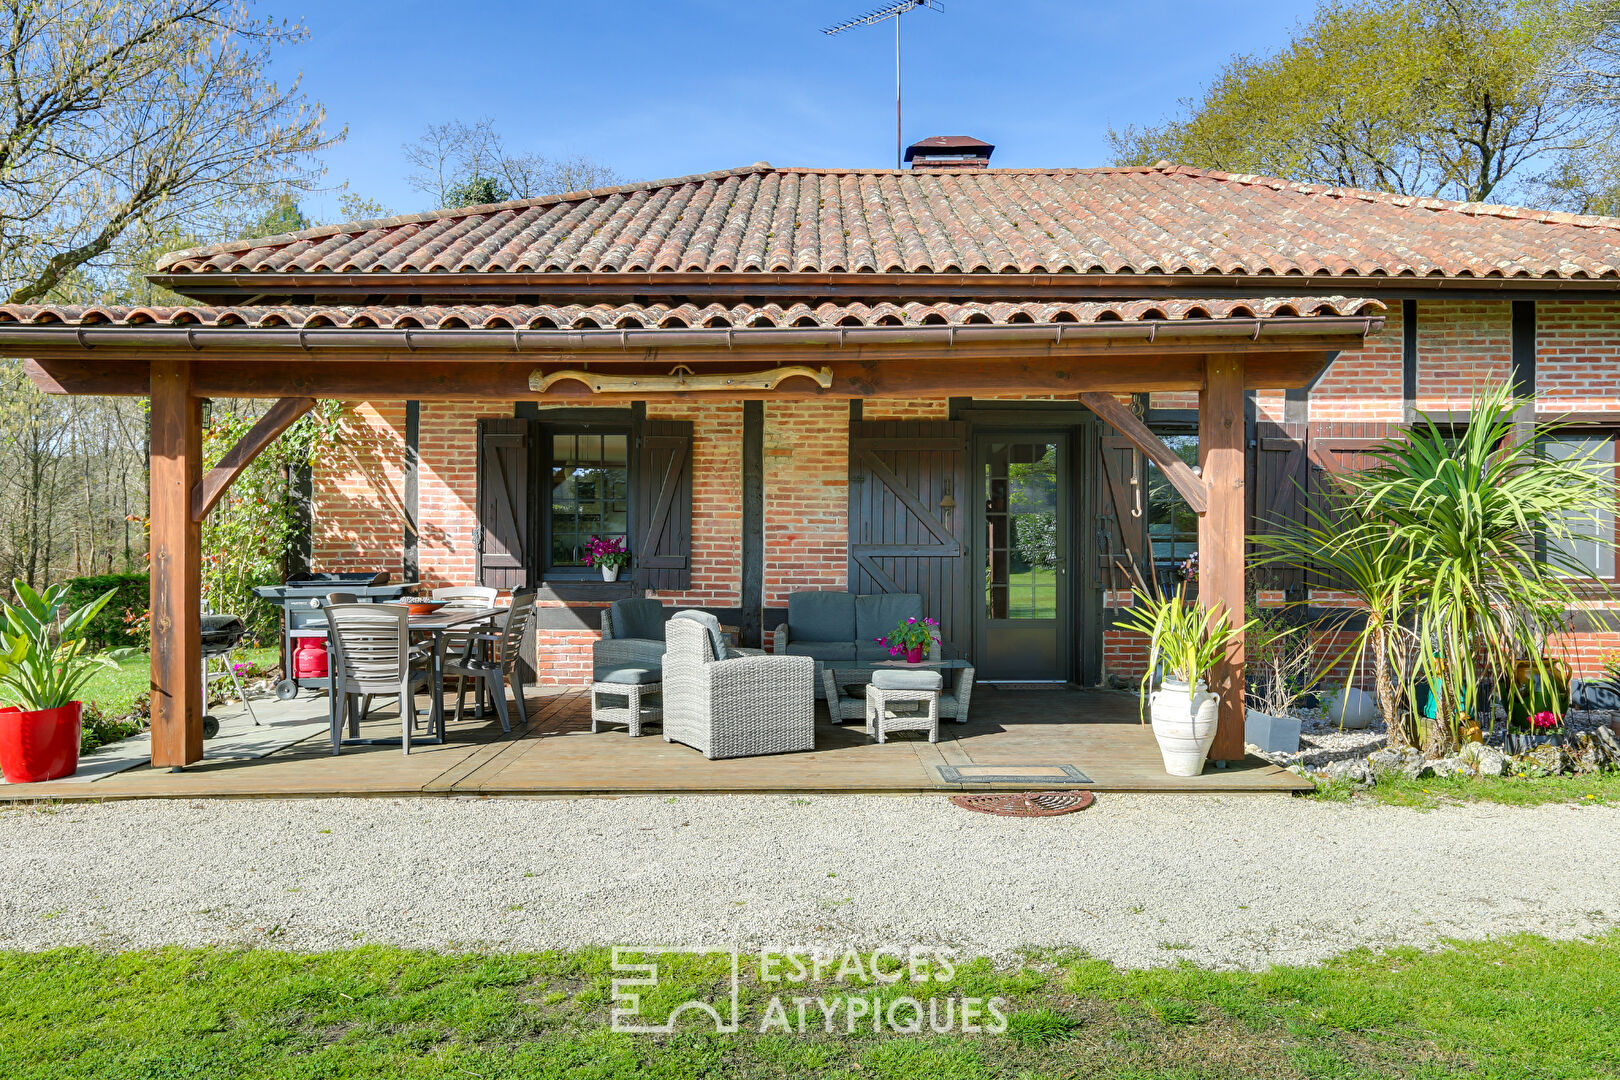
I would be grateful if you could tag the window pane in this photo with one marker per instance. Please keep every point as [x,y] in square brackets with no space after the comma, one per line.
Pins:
[1172,525]
[590,487]
[1591,543]
[1021,531]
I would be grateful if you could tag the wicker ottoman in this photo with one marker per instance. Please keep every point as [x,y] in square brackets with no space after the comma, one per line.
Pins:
[632,684]
[917,689]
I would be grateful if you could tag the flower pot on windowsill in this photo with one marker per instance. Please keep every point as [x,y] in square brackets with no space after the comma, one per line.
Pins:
[610,573]
[40,745]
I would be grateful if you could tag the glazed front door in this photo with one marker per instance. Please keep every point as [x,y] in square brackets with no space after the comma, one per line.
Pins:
[1022,556]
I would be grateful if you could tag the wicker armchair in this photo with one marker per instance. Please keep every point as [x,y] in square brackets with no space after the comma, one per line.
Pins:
[738,707]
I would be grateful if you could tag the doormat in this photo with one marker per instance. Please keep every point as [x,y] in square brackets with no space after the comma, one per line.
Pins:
[1030,685]
[1026,803]
[1012,774]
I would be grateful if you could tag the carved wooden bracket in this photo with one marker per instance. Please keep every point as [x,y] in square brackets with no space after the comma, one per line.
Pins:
[681,379]
[1129,425]
[277,419]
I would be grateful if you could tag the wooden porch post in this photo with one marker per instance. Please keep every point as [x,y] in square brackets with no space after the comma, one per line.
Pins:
[1221,452]
[176,567]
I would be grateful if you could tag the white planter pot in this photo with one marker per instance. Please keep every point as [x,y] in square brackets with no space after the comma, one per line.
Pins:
[1184,723]
[1351,707]
[610,573]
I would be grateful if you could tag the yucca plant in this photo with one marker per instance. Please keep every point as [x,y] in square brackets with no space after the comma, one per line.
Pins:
[1184,639]
[1445,542]
[43,662]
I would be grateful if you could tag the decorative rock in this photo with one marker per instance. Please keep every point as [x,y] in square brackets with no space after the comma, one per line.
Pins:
[1610,741]
[1272,734]
[1417,769]
[1547,760]
[1589,754]
[1352,708]
[1390,759]
[1447,767]
[1491,762]
[1353,770]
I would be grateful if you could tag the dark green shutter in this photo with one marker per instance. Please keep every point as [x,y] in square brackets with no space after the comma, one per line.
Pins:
[661,501]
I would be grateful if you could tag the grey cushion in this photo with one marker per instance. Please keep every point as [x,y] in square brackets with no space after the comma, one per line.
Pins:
[717,640]
[877,614]
[638,617]
[823,650]
[636,676]
[821,616]
[904,679]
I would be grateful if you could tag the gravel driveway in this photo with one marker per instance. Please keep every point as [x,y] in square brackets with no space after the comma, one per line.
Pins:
[1139,880]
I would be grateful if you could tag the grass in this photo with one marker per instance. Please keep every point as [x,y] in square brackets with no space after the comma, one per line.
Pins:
[1525,1007]
[115,691]
[1032,594]
[1595,789]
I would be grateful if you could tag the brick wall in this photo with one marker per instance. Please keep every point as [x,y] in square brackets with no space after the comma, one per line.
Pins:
[1462,346]
[806,497]
[447,487]
[1366,384]
[906,409]
[359,521]
[1578,357]
[716,556]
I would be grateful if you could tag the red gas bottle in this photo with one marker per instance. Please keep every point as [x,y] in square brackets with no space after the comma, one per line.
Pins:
[309,660]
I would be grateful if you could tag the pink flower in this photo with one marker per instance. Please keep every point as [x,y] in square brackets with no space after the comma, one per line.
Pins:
[1543,720]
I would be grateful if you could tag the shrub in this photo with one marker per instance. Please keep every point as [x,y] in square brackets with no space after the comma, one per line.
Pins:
[112,627]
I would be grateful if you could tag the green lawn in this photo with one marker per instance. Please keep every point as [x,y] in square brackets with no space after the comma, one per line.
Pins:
[1032,594]
[1521,1008]
[115,690]
[1594,788]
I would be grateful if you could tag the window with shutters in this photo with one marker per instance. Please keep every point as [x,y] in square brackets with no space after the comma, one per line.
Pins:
[589,495]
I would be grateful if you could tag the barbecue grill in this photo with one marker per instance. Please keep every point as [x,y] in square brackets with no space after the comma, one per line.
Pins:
[301,598]
[221,634]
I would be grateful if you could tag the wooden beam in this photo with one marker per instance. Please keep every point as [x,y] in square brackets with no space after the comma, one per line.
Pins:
[942,375]
[277,419]
[1221,451]
[1139,435]
[176,567]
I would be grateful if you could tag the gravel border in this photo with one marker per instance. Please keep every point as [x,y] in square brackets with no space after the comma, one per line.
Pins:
[1229,881]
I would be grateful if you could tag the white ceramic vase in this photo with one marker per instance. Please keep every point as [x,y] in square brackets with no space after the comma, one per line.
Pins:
[610,573]
[1184,723]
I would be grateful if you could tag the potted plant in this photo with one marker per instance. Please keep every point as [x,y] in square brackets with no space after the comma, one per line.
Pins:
[609,554]
[910,639]
[43,666]
[1185,641]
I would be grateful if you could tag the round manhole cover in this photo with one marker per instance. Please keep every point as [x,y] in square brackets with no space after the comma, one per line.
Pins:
[1026,803]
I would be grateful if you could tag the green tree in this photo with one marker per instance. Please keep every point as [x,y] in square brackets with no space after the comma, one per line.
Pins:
[475,191]
[1451,98]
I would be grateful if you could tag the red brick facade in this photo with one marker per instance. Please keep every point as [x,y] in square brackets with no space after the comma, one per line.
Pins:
[359,507]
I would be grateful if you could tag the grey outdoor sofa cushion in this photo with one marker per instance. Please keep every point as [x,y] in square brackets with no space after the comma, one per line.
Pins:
[821,616]
[903,679]
[823,650]
[878,613]
[844,626]
[717,639]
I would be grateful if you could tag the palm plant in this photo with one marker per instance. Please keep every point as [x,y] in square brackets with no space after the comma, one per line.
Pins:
[43,664]
[1446,543]
[1185,639]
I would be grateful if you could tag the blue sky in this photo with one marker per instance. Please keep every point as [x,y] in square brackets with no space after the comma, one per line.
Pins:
[684,86]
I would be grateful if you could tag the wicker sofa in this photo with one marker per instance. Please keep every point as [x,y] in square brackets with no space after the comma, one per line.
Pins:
[734,707]
[829,625]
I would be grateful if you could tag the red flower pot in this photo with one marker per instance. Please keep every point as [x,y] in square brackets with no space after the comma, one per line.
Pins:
[914,656]
[40,746]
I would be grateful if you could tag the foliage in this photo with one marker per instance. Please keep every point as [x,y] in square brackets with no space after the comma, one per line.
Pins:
[1507,1009]
[43,658]
[1394,789]
[248,533]
[607,552]
[1452,98]
[909,635]
[1185,638]
[1280,663]
[1451,543]
[282,216]
[124,120]
[111,626]
[97,729]
[462,164]
[355,207]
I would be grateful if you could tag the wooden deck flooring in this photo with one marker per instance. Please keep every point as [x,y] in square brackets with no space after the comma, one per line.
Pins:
[556,755]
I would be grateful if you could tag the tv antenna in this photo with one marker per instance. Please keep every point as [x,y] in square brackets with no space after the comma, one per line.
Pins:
[872,18]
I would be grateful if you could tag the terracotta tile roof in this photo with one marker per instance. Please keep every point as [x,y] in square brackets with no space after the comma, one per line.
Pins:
[1153,220]
[635,316]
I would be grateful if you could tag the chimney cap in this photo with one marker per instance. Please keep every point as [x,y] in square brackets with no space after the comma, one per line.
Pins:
[965,145]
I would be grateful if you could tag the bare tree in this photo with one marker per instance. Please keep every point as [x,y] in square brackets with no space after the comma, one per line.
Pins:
[123,116]
[456,163]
